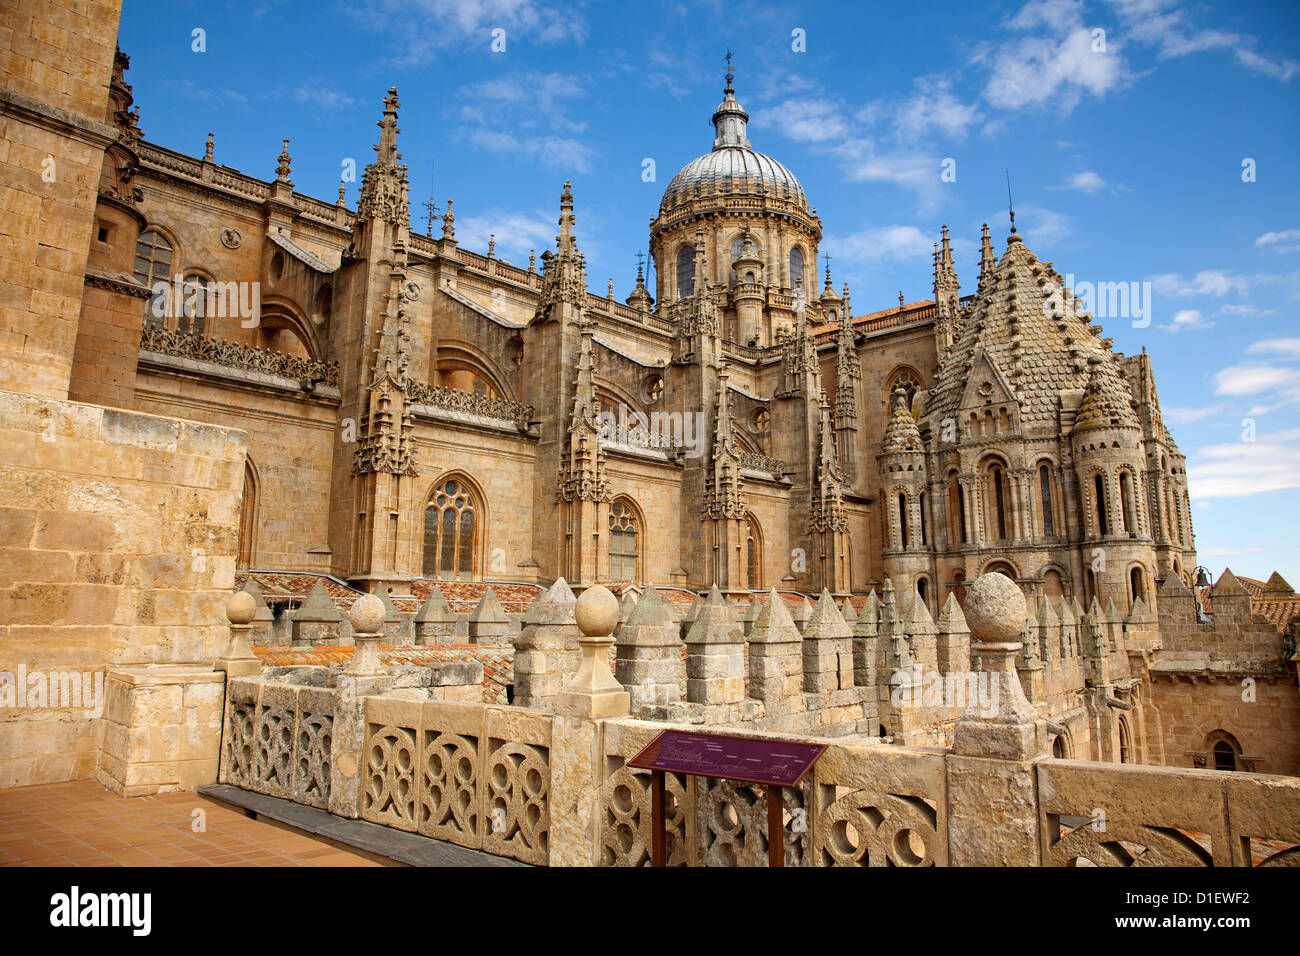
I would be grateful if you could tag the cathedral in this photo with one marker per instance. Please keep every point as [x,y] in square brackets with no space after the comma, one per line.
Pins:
[420,410]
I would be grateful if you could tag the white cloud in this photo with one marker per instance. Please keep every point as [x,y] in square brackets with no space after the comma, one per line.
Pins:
[321,97]
[516,233]
[811,120]
[1244,309]
[422,28]
[1156,23]
[1058,66]
[934,108]
[526,115]
[1289,348]
[1190,416]
[1286,241]
[1239,469]
[1087,181]
[1213,282]
[885,244]
[1186,319]
[1253,379]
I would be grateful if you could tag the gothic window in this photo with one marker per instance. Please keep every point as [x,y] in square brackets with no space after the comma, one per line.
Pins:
[796,266]
[686,271]
[450,532]
[1224,758]
[902,517]
[1058,748]
[153,263]
[1099,493]
[753,555]
[999,500]
[956,511]
[1126,502]
[1045,489]
[197,304]
[908,381]
[622,542]
[1136,584]
[1125,742]
[247,517]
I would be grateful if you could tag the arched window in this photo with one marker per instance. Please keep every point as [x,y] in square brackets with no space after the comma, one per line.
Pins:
[1224,758]
[248,517]
[1126,502]
[738,247]
[796,266]
[956,510]
[198,304]
[908,380]
[1053,587]
[686,271]
[999,501]
[922,590]
[451,532]
[622,541]
[753,555]
[902,517]
[1136,585]
[1058,748]
[959,587]
[153,263]
[924,533]
[1099,493]
[1125,742]
[1045,491]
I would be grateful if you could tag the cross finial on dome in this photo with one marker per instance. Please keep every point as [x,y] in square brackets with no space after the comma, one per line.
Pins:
[731,73]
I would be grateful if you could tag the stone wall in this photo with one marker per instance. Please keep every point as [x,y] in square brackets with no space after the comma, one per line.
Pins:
[117,546]
[55,60]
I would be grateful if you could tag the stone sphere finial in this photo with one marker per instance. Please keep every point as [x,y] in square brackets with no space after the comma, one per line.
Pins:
[367,615]
[240,608]
[596,611]
[995,609]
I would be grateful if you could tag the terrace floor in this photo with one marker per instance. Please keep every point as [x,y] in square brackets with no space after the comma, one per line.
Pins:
[82,824]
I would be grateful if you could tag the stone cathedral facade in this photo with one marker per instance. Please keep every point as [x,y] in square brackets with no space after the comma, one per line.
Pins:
[416,409]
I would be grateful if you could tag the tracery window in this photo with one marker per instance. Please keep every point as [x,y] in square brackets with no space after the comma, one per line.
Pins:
[686,271]
[622,542]
[796,266]
[908,381]
[450,532]
[196,305]
[153,263]
[753,555]
[1045,488]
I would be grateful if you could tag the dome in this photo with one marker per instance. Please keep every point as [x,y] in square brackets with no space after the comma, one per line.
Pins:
[733,166]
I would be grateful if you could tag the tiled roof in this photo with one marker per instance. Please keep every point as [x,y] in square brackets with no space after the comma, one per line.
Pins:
[1273,607]
[461,596]
[1013,321]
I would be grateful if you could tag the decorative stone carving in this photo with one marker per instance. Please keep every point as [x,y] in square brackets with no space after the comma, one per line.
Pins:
[230,238]
[233,355]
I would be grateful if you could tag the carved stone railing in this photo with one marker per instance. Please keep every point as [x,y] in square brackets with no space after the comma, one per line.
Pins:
[456,400]
[278,740]
[862,805]
[636,437]
[754,462]
[1096,814]
[476,776]
[234,355]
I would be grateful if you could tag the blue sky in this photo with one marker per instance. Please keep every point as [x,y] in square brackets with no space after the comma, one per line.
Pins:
[1124,124]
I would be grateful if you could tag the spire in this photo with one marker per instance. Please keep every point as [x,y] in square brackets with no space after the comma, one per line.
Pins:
[828,496]
[449,223]
[208,147]
[848,372]
[901,433]
[729,118]
[564,273]
[282,168]
[987,260]
[384,193]
[640,297]
[726,491]
[582,467]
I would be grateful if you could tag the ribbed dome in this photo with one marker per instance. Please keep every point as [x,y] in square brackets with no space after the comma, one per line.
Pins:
[734,166]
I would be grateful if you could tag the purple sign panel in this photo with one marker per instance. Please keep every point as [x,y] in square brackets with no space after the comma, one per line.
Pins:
[781,763]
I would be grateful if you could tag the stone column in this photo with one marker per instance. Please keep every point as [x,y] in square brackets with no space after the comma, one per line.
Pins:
[992,800]
[238,659]
[363,677]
